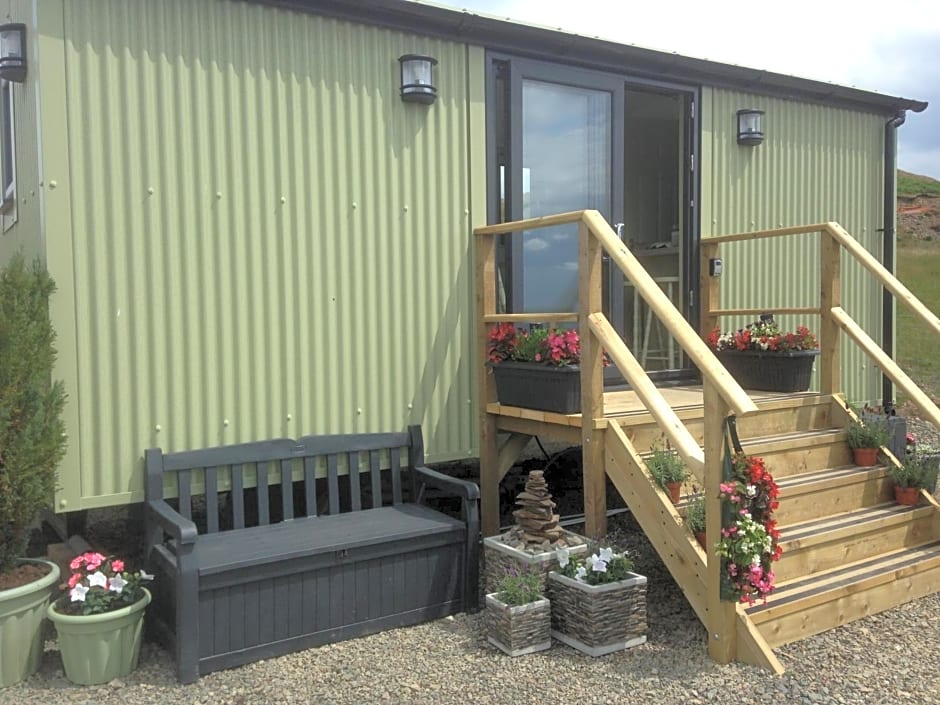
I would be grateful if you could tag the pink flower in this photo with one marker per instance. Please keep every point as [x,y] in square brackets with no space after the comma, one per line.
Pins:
[117,565]
[77,563]
[93,561]
[75,579]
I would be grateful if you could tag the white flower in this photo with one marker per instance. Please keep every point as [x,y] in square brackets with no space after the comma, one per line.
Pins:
[751,490]
[562,554]
[144,575]
[599,565]
[117,584]
[607,555]
[97,579]
[77,593]
[580,573]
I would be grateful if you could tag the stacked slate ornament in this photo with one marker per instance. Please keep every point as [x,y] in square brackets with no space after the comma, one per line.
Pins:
[536,513]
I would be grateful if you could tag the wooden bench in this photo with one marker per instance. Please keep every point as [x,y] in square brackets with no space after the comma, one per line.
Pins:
[268,571]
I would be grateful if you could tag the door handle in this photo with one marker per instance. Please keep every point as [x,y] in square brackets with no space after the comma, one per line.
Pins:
[618,229]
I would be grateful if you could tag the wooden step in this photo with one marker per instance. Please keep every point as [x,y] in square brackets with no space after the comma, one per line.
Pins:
[813,495]
[806,606]
[821,544]
[794,453]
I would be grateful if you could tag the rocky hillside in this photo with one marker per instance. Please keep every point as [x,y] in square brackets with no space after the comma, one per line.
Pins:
[918,207]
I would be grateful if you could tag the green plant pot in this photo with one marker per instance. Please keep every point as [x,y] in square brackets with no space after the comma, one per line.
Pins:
[98,648]
[21,613]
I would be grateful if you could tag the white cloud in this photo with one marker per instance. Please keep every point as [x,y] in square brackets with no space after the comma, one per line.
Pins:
[535,244]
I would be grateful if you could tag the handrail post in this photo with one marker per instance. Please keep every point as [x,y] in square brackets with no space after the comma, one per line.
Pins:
[709,287]
[486,386]
[830,296]
[722,619]
[590,266]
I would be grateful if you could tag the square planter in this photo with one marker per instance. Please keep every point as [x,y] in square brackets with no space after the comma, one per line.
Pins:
[518,629]
[531,385]
[770,371]
[499,558]
[598,619]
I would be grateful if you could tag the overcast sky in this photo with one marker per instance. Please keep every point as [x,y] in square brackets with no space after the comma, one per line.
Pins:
[888,47]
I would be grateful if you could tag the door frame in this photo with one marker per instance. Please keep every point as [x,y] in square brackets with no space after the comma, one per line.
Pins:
[567,74]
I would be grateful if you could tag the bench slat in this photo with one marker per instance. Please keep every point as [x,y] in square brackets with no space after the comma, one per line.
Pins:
[238,495]
[376,474]
[332,481]
[325,445]
[184,488]
[287,489]
[352,465]
[310,485]
[264,502]
[255,452]
[395,469]
[212,500]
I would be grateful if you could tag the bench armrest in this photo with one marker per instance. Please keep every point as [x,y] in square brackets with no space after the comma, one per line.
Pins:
[461,488]
[171,521]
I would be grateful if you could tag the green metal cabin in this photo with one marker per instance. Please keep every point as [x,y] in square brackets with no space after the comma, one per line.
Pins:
[254,236]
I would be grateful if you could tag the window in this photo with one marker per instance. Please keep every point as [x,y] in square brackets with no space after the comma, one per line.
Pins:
[7,158]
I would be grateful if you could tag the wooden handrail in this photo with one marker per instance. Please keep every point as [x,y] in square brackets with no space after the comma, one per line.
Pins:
[668,315]
[675,430]
[762,234]
[887,365]
[887,279]
[516,226]
[530,317]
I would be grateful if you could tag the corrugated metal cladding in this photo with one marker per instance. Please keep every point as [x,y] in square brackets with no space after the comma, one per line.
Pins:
[816,164]
[267,241]
[21,229]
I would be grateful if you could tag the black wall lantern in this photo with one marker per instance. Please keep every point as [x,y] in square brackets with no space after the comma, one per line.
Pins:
[417,78]
[750,131]
[13,52]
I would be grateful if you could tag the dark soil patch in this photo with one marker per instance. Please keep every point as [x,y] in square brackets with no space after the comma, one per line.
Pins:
[23,574]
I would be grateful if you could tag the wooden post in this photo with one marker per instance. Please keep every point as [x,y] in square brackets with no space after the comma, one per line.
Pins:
[711,299]
[592,384]
[830,296]
[486,386]
[722,619]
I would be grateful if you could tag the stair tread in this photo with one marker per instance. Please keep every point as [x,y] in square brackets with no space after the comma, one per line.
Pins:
[818,434]
[839,578]
[838,471]
[855,518]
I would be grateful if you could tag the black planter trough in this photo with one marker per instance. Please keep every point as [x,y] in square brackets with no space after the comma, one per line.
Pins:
[531,385]
[770,371]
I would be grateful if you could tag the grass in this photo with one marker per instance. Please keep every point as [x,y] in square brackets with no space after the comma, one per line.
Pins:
[915,185]
[918,265]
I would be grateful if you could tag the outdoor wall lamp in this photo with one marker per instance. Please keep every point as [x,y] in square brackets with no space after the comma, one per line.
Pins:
[750,131]
[13,52]
[417,78]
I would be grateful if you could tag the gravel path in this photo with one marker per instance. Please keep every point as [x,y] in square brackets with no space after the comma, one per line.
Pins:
[887,658]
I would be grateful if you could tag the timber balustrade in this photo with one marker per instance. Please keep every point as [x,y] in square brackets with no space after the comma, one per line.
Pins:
[834,319]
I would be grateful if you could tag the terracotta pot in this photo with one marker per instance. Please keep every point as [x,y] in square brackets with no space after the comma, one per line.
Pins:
[906,495]
[865,457]
[673,489]
[702,540]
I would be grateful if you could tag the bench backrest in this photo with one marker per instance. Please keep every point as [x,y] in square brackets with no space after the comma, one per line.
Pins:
[198,473]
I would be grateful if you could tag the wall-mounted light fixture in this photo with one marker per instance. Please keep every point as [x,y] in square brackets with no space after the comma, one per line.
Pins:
[13,52]
[750,131]
[417,78]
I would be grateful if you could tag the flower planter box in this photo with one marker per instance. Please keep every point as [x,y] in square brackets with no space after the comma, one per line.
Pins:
[770,371]
[518,629]
[534,386]
[598,619]
[499,558]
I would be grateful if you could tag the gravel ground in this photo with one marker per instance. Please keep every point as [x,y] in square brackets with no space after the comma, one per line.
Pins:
[887,658]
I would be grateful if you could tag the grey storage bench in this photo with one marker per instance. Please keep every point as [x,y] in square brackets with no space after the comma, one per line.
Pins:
[267,572]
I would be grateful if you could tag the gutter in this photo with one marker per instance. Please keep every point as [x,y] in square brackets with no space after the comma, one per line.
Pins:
[888,232]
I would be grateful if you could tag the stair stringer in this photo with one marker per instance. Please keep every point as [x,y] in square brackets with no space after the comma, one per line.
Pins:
[680,553]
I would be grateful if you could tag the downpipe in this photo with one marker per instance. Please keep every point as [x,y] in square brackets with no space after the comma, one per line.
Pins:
[888,232]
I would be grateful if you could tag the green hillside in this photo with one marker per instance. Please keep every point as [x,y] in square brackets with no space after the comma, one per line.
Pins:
[916,185]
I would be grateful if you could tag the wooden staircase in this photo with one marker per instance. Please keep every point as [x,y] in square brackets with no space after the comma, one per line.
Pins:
[848,550]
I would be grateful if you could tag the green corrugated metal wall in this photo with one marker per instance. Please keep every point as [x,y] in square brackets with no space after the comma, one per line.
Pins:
[265,240]
[816,164]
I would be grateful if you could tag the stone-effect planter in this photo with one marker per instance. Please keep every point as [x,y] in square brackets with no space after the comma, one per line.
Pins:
[532,385]
[22,610]
[518,629]
[598,619]
[500,558]
[770,371]
[98,648]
